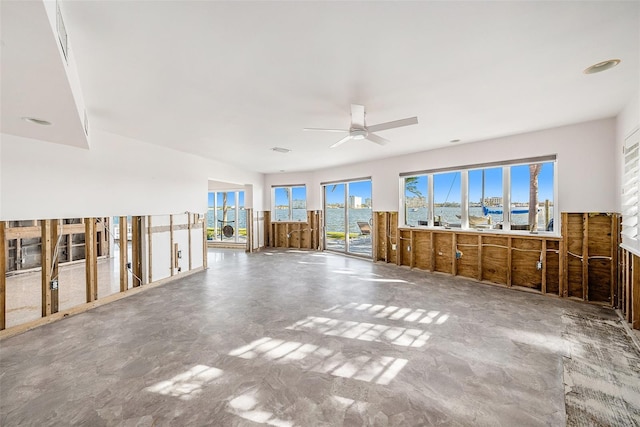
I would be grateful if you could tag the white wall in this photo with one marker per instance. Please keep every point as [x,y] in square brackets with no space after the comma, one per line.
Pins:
[116,176]
[627,121]
[586,156]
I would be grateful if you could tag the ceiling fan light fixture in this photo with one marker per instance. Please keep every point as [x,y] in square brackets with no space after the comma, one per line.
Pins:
[602,66]
[358,133]
[36,121]
[453,141]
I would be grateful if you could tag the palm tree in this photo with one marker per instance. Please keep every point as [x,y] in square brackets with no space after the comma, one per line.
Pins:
[534,171]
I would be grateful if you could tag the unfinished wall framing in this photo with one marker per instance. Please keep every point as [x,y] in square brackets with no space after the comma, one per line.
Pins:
[295,235]
[60,242]
[549,265]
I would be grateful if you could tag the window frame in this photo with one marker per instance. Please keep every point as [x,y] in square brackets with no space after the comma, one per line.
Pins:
[630,193]
[464,195]
[290,208]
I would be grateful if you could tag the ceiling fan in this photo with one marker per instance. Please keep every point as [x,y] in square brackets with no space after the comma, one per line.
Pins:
[359,129]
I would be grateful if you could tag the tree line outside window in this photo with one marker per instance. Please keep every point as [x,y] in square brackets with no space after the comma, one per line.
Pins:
[512,196]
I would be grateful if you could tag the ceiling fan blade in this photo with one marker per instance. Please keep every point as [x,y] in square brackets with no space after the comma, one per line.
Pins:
[342,141]
[377,139]
[393,124]
[357,116]
[327,130]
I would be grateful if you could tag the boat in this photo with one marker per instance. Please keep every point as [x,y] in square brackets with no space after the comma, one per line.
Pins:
[497,210]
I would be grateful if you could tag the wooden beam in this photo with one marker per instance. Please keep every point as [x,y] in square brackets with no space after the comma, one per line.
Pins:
[3,275]
[479,257]
[189,231]
[615,245]
[55,249]
[91,259]
[412,249]
[543,258]
[433,252]
[627,286]
[635,294]
[150,244]
[136,250]
[509,259]
[204,241]
[124,254]
[564,261]
[47,256]
[585,256]
[454,251]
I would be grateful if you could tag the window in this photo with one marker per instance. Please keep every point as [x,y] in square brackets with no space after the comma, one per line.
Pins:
[416,200]
[485,197]
[226,217]
[289,203]
[447,209]
[512,195]
[630,191]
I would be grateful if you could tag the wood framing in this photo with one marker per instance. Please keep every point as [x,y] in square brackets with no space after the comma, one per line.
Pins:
[150,249]
[55,250]
[3,274]
[189,237]
[171,248]
[295,235]
[136,250]
[47,259]
[204,242]
[124,254]
[91,259]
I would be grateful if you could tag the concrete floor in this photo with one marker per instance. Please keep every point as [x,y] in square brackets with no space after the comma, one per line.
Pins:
[292,338]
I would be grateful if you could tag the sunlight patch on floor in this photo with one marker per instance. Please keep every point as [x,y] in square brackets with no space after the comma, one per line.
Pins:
[375,369]
[363,331]
[187,384]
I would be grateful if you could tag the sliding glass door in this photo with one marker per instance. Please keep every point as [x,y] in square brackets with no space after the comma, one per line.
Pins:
[348,217]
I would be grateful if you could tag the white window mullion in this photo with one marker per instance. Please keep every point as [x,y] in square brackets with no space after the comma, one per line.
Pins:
[506,198]
[430,207]
[464,195]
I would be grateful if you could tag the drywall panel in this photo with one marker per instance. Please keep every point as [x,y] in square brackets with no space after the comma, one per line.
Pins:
[181,238]
[196,248]
[579,148]
[161,253]
[116,176]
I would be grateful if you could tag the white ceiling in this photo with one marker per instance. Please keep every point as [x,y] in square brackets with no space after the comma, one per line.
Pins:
[231,80]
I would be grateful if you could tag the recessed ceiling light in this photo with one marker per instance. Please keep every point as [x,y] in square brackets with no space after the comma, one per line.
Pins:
[280,150]
[454,140]
[36,121]
[602,66]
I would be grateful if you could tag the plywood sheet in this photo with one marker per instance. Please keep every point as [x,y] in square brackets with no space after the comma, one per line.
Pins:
[494,259]
[467,264]
[442,243]
[600,238]
[600,280]
[524,258]
[422,248]
[553,268]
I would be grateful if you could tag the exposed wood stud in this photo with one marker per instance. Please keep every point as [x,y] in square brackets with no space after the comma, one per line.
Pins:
[509,260]
[150,244]
[3,273]
[543,259]
[585,256]
[171,248]
[479,257]
[433,252]
[412,247]
[454,253]
[124,254]
[615,232]
[204,242]
[55,237]
[91,259]
[45,228]
[189,230]
[635,294]
[564,261]
[136,250]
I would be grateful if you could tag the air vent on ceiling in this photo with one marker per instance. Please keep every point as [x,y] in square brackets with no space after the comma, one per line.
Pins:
[62,31]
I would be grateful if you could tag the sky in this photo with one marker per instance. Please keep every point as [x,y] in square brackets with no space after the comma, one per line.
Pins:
[359,188]
[231,198]
[447,185]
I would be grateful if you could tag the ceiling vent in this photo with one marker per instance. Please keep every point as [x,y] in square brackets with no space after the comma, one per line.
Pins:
[62,32]
[280,150]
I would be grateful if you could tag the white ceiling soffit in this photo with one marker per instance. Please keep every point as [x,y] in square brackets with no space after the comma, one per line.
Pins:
[232,80]
[34,82]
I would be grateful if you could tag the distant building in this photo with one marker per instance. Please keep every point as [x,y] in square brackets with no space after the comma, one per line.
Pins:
[493,201]
[355,202]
